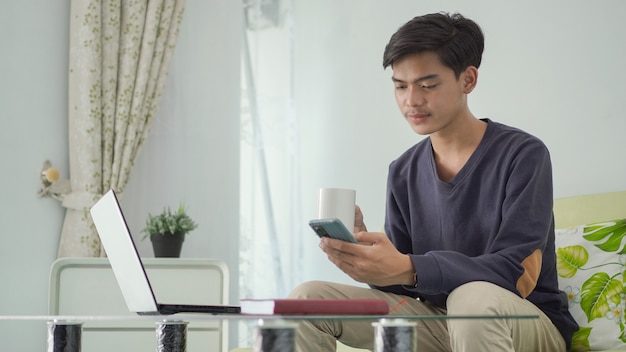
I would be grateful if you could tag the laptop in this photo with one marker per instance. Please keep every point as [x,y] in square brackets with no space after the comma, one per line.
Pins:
[127,266]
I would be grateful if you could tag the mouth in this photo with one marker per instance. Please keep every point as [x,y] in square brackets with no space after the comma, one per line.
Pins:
[417,116]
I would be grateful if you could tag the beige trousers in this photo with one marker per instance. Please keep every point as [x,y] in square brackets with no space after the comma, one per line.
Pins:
[458,335]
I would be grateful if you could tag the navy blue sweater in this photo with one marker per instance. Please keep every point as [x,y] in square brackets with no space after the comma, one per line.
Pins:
[482,224]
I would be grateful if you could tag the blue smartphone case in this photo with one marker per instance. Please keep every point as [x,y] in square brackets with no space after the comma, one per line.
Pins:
[333,228]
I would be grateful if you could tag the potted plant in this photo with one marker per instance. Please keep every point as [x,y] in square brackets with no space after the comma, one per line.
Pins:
[167,231]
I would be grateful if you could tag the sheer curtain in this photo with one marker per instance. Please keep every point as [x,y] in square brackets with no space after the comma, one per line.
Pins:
[120,53]
[271,248]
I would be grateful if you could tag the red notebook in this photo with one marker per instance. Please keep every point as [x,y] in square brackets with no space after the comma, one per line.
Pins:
[288,306]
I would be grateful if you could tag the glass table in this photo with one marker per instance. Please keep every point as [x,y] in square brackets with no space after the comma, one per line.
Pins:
[65,332]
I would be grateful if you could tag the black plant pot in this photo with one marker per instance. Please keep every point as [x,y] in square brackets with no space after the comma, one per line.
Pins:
[167,245]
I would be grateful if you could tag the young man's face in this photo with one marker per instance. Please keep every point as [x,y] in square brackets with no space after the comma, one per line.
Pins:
[428,94]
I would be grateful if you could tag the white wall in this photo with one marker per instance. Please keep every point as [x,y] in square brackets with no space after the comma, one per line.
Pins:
[33,110]
[552,68]
[192,152]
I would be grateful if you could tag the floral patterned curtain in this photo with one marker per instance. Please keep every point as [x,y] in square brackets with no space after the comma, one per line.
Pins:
[120,53]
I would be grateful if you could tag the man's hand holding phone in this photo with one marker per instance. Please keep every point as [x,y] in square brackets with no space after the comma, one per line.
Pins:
[376,261]
[333,228]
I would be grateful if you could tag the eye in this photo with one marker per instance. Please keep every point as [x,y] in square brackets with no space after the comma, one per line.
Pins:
[400,87]
[428,86]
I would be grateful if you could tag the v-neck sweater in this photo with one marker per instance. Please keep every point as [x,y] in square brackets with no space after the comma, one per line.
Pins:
[494,213]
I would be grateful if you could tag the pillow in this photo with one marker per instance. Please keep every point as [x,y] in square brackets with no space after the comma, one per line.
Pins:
[590,264]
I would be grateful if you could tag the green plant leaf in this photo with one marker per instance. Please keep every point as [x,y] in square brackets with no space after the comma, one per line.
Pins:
[596,293]
[612,232]
[169,222]
[580,340]
[570,259]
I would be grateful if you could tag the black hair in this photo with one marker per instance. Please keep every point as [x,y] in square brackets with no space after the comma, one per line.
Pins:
[458,41]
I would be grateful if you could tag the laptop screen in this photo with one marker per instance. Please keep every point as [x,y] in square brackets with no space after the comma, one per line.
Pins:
[122,253]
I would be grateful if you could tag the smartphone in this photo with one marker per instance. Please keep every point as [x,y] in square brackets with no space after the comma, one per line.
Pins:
[333,228]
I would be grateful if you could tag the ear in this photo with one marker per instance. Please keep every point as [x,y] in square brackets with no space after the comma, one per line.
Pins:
[470,78]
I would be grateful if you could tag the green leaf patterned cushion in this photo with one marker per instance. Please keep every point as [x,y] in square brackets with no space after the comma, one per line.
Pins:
[590,263]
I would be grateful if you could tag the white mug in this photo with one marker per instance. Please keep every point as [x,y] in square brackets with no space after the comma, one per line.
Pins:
[337,203]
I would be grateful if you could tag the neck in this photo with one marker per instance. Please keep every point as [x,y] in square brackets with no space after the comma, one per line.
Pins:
[465,133]
[453,147]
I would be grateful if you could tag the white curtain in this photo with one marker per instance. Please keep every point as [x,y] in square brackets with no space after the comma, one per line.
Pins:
[270,252]
[271,231]
[120,53]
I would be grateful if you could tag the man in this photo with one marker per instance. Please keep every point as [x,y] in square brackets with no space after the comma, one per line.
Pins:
[469,225]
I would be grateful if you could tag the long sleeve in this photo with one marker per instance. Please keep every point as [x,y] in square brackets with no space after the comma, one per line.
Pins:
[492,222]
[483,225]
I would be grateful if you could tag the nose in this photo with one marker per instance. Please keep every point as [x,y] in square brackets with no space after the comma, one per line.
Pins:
[414,97]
